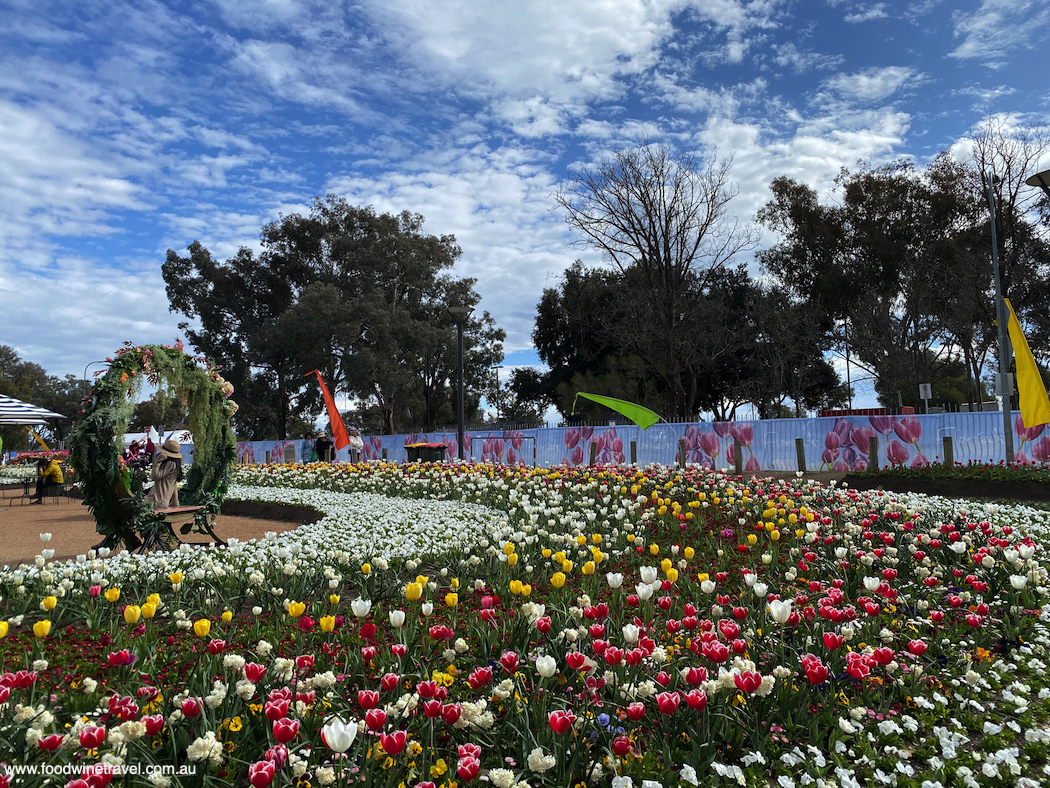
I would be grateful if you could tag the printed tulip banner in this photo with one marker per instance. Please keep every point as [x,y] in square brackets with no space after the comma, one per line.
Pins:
[494,623]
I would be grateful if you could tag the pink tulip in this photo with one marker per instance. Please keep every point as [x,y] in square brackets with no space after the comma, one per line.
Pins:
[897,453]
[908,429]
[710,444]
[744,433]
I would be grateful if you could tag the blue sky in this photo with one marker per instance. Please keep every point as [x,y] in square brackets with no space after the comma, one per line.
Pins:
[130,128]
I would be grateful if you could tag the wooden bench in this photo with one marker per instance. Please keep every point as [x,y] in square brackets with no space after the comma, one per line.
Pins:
[176,515]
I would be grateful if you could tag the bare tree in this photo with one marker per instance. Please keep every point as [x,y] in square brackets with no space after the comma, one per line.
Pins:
[662,220]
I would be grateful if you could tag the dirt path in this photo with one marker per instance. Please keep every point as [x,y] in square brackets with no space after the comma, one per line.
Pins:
[72,530]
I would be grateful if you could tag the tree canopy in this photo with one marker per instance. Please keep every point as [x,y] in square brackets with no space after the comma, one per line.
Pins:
[359,295]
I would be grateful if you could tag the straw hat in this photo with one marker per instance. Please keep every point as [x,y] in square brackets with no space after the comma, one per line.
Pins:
[172,449]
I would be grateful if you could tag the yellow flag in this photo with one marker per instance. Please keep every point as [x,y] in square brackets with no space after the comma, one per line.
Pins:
[1035,406]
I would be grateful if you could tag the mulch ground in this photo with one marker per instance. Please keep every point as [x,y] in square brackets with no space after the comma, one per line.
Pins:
[72,527]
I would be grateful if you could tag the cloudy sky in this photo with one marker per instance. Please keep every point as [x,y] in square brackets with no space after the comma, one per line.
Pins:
[127,129]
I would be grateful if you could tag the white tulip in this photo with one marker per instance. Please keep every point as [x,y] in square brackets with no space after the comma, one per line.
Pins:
[630,634]
[337,735]
[750,578]
[546,666]
[648,574]
[45,538]
[872,583]
[615,579]
[644,591]
[1018,581]
[361,607]
[427,608]
[780,610]
[397,618]
[708,586]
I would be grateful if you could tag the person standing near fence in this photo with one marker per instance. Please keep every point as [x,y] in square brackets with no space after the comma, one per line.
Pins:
[308,448]
[356,444]
[324,447]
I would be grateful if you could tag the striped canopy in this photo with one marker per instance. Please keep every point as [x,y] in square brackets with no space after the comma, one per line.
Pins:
[14,411]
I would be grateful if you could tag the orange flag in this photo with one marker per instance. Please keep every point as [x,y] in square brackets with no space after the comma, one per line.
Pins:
[342,439]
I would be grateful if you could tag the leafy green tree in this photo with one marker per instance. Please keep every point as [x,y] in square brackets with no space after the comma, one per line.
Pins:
[358,295]
[28,381]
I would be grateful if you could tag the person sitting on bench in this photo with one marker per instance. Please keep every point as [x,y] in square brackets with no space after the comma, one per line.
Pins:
[48,474]
[166,474]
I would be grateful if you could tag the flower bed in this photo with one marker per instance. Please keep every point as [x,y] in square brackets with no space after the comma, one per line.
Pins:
[550,627]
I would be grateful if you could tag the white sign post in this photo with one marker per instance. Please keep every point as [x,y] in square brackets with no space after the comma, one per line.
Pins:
[926,394]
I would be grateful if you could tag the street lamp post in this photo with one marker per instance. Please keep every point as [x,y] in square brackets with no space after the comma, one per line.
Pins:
[1005,389]
[1041,180]
[497,368]
[460,313]
[90,364]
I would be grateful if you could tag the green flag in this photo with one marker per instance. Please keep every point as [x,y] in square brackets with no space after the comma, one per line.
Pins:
[643,417]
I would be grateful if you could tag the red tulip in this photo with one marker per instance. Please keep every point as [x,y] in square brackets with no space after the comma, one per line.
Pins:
[973,620]
[284,730]
[368,699]
[469,750]
[663,678]
[304,662]
[306,624]
[398,649]
[636,711]
[621,746]
[375,719]
[832,641]
[575,660]
[426,689]
[917,647]
[696,676]
[468,768]
[97,775]
[368,653]
[451,713]
[216,646]
[883,655]
[389,682]
[613,655]
[261,773]
[50,743]
[368,630]
[696,699]
[191,708]
[668,702]
[154,724]
[560,721]
[748,681]
[509,660]
[92,737]
[480,677]
[816,672]
[254,672]
[432,708]
[394,743]
[544,624]
[276,709]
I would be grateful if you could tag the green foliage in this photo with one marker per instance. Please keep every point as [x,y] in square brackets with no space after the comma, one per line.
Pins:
[30,382]
[98,437]
[358,295]
[972,471]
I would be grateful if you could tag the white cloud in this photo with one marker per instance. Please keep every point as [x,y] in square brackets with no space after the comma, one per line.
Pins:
[873,84]
[997,27]
[877,11]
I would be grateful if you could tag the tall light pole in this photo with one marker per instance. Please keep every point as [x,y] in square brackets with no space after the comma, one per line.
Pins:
[90,364]
[497,368]
[1005,387]
[1041,180]
[460,314]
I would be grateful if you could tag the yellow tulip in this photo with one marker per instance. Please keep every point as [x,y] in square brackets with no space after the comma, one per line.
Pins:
[113,594]
[526,589]
[49,602]
[688,515]
[227,616]
[296,609]
[42,628]
[559,557]
[515,586]
[366,568]
[149,610]
[654,548]
[154,599]
[512,559]
[508,548]
[630,537]
[689,552]
[588,568]
[175,578]
[455,582]
[775,536]
[452,599]
[703,576]
[422,579]
[413,591]
[546,552]
[201,627]
[672,574]
[665,564]
[333,599]
[558,580]
[581,540]
[566,566]
[596,538]
[132,614]
[3,629]
[751,539]
[327,623]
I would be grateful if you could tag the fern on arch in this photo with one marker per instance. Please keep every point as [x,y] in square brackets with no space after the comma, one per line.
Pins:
[98,437]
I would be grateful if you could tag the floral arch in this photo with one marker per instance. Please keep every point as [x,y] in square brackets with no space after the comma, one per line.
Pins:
[117,503]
